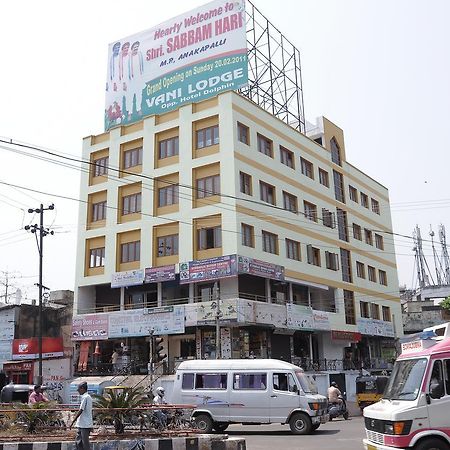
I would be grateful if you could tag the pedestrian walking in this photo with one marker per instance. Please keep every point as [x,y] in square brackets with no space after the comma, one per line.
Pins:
[83,419]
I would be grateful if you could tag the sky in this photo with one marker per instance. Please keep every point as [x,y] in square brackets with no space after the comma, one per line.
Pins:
[379,69]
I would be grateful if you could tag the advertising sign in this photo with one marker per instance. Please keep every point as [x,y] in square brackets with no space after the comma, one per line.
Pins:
[260,268]
[139,322]
[299,317]
[208,269]
[375,327]
[187,59]
[349,336]
[29,348]
[321,320]
[128,278]
[7,323]
[159,274]
[269,313]
[90,327]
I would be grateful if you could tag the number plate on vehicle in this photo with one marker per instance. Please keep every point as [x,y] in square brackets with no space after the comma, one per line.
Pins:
[371,447]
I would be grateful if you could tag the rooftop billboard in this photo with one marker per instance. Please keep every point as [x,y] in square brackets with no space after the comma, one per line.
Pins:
[186,59]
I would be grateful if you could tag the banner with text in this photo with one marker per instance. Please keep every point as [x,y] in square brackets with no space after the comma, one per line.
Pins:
[90,327]
[159,274]
[208,269]
[127,278]
[260,268]
[187,59]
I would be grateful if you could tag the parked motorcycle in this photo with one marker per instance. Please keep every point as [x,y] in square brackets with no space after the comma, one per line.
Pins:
[338,409]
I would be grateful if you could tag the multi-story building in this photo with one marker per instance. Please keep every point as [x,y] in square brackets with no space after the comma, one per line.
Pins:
[220,204]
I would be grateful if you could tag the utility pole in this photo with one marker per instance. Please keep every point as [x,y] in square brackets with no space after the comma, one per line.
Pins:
[6,282]
[42,232]
[216,298]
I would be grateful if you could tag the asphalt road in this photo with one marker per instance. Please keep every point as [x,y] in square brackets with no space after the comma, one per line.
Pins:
[336,435]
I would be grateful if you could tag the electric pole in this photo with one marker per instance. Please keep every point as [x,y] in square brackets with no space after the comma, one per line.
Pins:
[42,233]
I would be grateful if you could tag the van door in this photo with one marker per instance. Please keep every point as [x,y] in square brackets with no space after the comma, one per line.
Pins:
[284,396]
[249,397]
[439,407]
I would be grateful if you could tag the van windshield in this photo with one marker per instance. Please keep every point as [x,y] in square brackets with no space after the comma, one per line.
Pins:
[304,382]
[406,379]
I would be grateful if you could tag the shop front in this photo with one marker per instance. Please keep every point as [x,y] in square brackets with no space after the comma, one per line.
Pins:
[19,372]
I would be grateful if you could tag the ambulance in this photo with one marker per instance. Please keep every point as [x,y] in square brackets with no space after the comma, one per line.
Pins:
[414,412]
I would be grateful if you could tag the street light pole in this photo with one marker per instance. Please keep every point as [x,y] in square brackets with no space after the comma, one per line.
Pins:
[42,232]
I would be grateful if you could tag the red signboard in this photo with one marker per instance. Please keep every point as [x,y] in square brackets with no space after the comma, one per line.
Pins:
[29,348]
[349,336]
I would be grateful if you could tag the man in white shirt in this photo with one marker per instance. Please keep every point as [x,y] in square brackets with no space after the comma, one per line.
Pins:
[83,419]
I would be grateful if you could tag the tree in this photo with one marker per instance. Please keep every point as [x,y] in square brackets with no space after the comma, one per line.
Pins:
[445,304]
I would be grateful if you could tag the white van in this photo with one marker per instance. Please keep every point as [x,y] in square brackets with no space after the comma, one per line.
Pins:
[248,391]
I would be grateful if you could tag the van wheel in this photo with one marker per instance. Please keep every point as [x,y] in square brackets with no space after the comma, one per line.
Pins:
[300,424]
[220,426]
[431,444]
[204,423]
[345,415]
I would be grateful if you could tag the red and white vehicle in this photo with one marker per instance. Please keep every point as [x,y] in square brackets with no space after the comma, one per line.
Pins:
[414,412]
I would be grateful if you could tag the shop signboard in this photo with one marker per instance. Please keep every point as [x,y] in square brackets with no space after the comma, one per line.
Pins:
[7,323]
[29,348]
[186,59]
[260,268]
[55,373]
[139,322]
[299,317]
[321,320]
[272,314]
[246,311]
[204,313]
[127,278]
[159,274]
[90,327]
[373,327]
[208,269]
[349,336]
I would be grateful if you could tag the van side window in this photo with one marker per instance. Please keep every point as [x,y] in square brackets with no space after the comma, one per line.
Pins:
[210,381]
[436,374]
[254,381]
[447,376]
[284,382]
[188,381]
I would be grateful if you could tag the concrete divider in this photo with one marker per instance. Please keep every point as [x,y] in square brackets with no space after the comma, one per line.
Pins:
[195,442]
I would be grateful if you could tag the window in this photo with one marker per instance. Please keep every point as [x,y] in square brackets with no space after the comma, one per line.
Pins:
[375,206]
[168,245]
[132,158]
[187,381]
[246,183]
[332,261]
[209,238]
[346,265]
[210,381]
[207,136]
[168,195]
[364,309]
[364,200]
[313,255]
[349,307]
[101,166]
[375,311]
[310,211]
[372,274]
[357,232]
[98,211]
[379,241]
[318,140]
[286,157]
[360,270]
[307,168]
[270,242]
[386,310]
[382,277]
[338,186]
[243,133]
[267,192]
[368,236]
[208,186]
[328,218]
[284,382]
[290,202]
[342,224]
[353,193]
[323,177]
[248,235]
[168,147]
[97,257]
[265,145]
[335,152]
[131,251]
[253,381]
[131,204]
[436,375]
[292,249]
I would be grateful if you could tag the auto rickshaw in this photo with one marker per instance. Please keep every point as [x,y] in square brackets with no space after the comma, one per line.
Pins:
[16,393]
[369,389]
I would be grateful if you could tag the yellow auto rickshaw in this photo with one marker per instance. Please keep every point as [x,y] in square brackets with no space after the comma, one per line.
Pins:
[369,389]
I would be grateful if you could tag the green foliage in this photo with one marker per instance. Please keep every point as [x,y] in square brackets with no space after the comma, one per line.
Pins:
[118,406]
[35,415]
[445,304]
